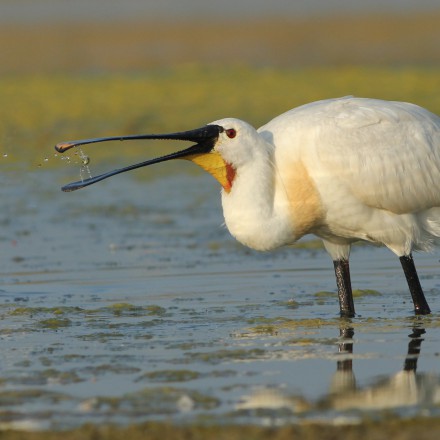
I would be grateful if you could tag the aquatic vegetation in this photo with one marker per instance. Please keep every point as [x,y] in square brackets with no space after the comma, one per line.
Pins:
[55,323]
[102,337]
[309,323]
[322,296]
[265,330]
[265,321]
[45,109]
[358,293]
[17,397]
[169,376]
[32,311]
[120,309]
[98,370]
[224,355]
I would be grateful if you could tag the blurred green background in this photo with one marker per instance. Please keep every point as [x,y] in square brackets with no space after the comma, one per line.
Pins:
[86,68]
[85,71]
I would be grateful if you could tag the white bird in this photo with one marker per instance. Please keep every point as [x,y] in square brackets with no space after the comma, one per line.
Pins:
[344,169]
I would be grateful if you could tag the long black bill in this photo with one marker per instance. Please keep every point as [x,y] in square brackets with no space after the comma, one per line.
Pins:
[204,137]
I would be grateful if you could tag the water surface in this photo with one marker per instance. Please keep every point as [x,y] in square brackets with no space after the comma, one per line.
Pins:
[128,301]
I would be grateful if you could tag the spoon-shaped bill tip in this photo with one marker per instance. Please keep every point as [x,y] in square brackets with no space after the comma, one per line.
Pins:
[64,146]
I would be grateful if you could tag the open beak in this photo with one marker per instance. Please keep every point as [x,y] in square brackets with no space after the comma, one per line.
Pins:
[201,153]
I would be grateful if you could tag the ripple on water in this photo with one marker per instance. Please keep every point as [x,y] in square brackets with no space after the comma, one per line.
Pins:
[122,307]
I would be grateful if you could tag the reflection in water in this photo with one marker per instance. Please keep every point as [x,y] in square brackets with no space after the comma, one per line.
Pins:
[403,389]
[343,380]
[414,347]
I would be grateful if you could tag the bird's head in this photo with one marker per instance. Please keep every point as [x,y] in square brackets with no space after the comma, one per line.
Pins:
[236,142]
[216,150]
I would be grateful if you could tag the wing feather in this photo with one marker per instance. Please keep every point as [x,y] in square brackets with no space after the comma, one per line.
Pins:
[384,153]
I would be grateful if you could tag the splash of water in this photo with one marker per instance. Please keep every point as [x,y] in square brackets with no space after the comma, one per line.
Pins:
[84,170]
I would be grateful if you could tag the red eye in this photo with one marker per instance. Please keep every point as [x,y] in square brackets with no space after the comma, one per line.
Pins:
[231,133]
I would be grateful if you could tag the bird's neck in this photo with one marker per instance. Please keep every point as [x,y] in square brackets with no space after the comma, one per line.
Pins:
[253,211]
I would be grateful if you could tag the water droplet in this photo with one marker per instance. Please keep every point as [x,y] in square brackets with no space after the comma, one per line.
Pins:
[85,160]
[84,169]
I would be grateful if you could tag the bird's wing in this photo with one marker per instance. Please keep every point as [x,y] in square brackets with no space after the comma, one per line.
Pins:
[386,154]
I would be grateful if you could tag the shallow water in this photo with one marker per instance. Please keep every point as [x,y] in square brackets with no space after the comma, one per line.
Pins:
[129,301]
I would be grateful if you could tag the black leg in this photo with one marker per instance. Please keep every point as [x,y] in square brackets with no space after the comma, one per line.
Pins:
[342,272]
[420,305]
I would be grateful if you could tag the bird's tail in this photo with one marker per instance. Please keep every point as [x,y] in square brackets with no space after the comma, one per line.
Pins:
[428,234]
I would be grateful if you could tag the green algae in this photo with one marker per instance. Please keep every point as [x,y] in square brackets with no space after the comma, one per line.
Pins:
[19,397]
[301,342]
[185,346]
[121,309]
[114,368]
[62,377]
[51,376]
[126,309]
[359,293]
[291,304]
[325,294]
[116,308]
[155,310]
[321,297]
[265,330]
[264,320]
[224,355]
[102,337]
[32,311]
[170,376]
[310,323]
[273,326]
[55,323]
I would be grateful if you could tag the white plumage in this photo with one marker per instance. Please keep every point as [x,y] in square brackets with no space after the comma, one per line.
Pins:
[374,165]
[344,169]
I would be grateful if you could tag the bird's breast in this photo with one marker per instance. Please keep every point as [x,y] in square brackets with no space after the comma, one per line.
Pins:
[304,205]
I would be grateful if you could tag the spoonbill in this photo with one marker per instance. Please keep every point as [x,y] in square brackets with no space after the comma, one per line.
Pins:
[344,169]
